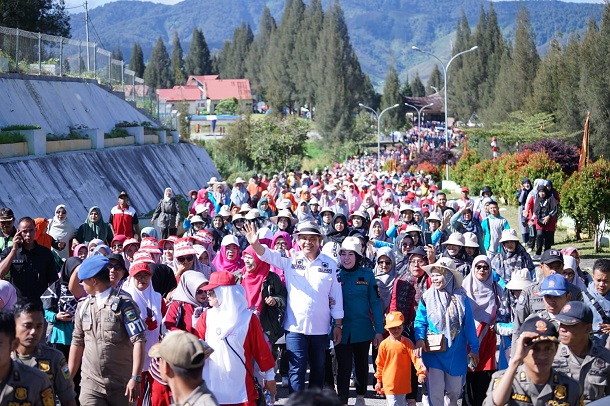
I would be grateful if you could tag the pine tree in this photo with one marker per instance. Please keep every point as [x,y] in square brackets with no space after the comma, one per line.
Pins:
[307,41]
[177,62]
[136,63]
[406,90]
[233,55]
[198,61]
[157,74]
[435,81]
[258,53]
[118,54]
[417,86]
[394,119]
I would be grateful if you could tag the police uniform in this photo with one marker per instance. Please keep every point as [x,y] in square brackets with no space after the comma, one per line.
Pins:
[107,333]
[593,373]
[200,397]
[560,390]
[26,386]
[53,363]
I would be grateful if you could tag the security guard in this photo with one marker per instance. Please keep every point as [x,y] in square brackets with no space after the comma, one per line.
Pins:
[578,356]
[530,301]
[530,377]
[109,339]
[29,323]
[21,385]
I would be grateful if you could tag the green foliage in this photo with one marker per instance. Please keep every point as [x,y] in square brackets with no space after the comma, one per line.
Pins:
[44,16]
[18,127]
[136,63]
[435,81]
[183,120]
[417,86]
[11,137]
[231,59]
[62,137]
[157,73]
[198,61]
[468,159]
[585,196]
[117,133]
[177,62]
[395,119]
[123,124]
[227,106]
[278,144]
[228,153]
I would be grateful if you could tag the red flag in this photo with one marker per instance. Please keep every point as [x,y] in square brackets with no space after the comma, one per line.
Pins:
[584,150]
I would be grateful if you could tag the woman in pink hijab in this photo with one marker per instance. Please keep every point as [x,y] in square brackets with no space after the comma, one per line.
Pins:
[203,198]
[228,258]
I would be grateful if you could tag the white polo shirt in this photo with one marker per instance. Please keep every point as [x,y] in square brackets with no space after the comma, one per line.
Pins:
[309,285]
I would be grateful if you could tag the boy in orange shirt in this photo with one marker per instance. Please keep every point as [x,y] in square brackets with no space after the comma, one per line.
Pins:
[393,363]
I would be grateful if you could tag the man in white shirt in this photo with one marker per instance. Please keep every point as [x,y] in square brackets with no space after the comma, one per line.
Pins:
[311,281]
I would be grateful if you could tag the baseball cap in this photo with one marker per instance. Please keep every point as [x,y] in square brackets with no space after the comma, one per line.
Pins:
[550,256]
[119,258]
[394,319]
[220,278]
[465,189]
[544,328]
[138,267]
[181,349]
[91,266]
[123,194]
[575,312]
[554,285]
[6,214]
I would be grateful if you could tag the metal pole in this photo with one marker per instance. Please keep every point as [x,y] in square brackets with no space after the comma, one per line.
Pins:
[87,34]
[378,133]
[110,70]
[123,75]
[17,52]
[61,57]
[94,59]
[39,53]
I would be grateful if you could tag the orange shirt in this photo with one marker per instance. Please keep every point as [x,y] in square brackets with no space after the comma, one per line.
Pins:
[394,365]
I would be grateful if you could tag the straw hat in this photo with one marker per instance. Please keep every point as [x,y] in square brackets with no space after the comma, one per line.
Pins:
[448,264]
[434,216]
[213,180]
[455,239]
[471,240]
[520,280]
[509,235]
[286,214]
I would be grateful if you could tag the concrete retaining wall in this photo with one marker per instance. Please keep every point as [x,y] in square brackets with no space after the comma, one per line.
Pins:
[34,186]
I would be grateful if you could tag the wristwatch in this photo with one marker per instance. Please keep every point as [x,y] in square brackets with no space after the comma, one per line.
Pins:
[339,326]
[137,378]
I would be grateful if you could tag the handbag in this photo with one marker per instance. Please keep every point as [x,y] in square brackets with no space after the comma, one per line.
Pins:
[261,401]
[435,343]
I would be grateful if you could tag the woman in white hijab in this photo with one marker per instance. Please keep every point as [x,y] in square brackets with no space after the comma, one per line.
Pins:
[8,295]
[62,230]
[485,298]
[237,338]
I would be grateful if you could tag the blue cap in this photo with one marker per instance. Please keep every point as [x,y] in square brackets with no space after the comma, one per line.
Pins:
[92,266]
[526,180]
[554,285]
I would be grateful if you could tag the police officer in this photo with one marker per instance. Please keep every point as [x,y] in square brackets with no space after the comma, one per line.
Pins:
[530,377]
[109,339]
[578,356]
[21,385]
[555,294]
[29,323]
[530,301]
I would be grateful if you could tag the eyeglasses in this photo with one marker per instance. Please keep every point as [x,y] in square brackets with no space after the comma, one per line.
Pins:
[200,291]
[188,258]
[117,246]
[417,261]
[482,267]
[381,262]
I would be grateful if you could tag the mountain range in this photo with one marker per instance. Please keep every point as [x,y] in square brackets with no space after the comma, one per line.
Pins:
[381,31]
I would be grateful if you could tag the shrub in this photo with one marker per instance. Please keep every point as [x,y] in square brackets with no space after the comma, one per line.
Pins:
[429,169]
[123,124]
[566,155]
[117,133]
[20,127]
[467,160]
[436,157]
[11,138]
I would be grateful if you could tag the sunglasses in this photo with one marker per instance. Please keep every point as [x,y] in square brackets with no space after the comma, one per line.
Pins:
[384,262]
[188,258]
[200,291]
[482,267]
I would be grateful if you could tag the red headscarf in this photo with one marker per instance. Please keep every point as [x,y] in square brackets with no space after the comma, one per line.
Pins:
[253,280]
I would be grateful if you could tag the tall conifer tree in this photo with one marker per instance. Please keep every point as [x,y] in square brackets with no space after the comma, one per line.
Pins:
[198,61]
[157,74]
[177,62]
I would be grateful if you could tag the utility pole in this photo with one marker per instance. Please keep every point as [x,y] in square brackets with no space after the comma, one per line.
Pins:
[87,33]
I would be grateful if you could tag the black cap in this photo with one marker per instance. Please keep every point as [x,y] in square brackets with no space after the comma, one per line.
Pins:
[575,312]
[123,194]
[6,214]
[550,256]
[544,328]
[119,258]
[486,189]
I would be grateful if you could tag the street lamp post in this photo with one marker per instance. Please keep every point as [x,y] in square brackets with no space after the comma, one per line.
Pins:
[445,68]
[378,129]
[419,123]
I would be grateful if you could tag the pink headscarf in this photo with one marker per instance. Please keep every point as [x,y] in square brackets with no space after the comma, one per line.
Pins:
[253,280]
[286,237]
[221,263]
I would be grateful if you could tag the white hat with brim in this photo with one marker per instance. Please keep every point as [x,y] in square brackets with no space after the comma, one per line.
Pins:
[405,207]
[509,235]
[434,216]
[352,244]
[196,219]
[327,209]
[224,211]
[308,228]
[359,214]
[238,181]
[228,240]
[519,280]
[455,239]
[213,180]
[285,214]
[471,240]
[448,264]
[412,228]
[253,214]
[245,208]
[237,216]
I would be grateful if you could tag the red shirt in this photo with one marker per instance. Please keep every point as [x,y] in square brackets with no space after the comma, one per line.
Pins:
[122,220]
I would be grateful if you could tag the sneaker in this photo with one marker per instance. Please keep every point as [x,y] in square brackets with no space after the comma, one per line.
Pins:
[411,402]
[360,401]
[536,257]
[284,381]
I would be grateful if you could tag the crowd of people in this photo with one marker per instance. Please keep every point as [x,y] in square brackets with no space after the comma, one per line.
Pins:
[277,276]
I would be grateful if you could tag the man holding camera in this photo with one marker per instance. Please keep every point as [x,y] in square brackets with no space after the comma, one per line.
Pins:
[530,377]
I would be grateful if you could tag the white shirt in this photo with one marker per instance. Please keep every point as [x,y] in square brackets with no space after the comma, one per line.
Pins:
[309,285]
[100,298]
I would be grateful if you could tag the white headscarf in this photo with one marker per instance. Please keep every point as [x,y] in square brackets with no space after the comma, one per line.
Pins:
[61,230]
[8,294]
[231,312]
[165,197]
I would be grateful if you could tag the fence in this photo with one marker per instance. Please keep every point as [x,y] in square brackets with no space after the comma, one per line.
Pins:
[40,54]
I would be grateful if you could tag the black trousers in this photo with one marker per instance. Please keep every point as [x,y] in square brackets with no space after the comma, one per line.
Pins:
[345,353]
[476,387]
[166,232]
[544,239]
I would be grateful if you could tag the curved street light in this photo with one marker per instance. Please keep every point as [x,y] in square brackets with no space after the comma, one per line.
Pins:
[445,68]
[419,122]
[378,129]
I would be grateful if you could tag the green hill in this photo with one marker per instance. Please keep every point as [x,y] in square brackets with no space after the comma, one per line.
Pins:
[380,30]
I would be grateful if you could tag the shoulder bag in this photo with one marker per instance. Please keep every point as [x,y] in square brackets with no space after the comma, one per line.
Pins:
[259,389]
